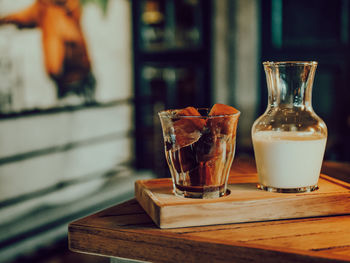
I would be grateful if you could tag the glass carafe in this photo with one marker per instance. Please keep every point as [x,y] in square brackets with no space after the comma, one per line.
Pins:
[289,139]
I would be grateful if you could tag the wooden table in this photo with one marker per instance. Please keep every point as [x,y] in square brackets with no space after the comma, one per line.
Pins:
[126,231]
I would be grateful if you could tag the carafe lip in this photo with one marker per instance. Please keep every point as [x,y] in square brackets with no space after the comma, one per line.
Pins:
[289,63]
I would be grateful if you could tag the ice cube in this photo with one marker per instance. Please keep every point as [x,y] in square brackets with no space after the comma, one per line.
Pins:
[222,109]
[204,146]
[188,130]
[184,159]
[208,173]
[226,124]
[214,170]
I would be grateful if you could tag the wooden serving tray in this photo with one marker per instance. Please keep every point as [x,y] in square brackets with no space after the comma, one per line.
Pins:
[245,203]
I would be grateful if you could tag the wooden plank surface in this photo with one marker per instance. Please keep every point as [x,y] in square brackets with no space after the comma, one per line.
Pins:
[125,230]
[242,204]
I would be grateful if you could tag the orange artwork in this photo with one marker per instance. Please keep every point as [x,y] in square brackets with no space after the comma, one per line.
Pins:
[66,57]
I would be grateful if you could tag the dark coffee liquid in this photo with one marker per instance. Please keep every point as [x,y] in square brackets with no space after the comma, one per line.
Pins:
[203,164]
[203,192]
[200,189]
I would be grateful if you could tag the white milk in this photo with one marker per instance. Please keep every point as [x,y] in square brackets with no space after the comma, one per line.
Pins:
[288,159]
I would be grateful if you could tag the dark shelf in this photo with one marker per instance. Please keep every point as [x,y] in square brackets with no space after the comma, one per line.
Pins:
[172,67]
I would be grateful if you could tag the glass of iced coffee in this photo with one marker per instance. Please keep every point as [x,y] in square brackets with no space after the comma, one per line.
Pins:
[199,149]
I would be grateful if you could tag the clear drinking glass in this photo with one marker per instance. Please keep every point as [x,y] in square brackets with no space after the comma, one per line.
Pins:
[289,139]
[199,151]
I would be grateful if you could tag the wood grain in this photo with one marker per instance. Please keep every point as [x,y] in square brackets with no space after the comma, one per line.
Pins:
[125,230]
[245,203]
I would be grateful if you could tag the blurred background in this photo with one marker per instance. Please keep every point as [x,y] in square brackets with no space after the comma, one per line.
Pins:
[81,83]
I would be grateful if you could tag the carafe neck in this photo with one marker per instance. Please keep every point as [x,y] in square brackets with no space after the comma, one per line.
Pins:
[290,83]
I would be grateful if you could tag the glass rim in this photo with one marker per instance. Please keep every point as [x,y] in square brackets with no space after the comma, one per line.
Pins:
[165,113]
[291,62]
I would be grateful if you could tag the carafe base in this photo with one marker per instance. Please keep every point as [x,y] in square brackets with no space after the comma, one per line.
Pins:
[305,189]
